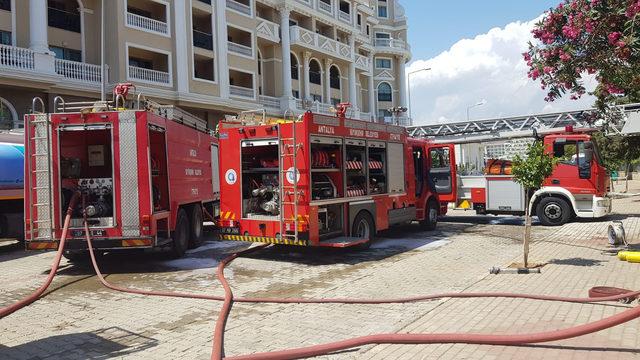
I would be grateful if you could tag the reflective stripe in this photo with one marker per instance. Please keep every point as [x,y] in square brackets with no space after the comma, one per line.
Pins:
[42,245]
[265,240]
[136,242]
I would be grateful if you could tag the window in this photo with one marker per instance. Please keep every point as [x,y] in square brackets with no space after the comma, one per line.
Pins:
[359,19]
[385,116]
[345,7]
[381,35]
[383,63]
[385,93]
[566,152]
[296,94]
[334,78]
[382,12]
[140,63]
[62,16]
[440,158]
[314,73]
[335,101]
[294,68]
[5,5]
[5,37]
[368,30]
[8,117]
[203,68]
[140,12]
[316,97]
[66,54]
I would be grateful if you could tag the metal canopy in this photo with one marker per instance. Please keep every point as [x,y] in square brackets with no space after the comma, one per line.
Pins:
[523,126]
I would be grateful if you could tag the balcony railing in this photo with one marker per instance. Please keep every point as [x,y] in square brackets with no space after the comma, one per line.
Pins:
[242,91]
[362,62]
[325,7]
[240,49]
[392,43]
[202,40]
[239,7]
[269,101]
[75,70]
[147,24]
[16,58]
[346,17]
[64,20]
[268,30]
[148,75]
[314,41]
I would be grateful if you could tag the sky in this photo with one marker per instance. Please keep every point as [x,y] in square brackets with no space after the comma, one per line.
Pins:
[474,51]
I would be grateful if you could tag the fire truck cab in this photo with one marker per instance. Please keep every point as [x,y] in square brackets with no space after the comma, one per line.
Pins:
[327,181]
[146,176]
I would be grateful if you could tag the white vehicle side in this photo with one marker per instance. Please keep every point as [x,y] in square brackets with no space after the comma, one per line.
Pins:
[583,206]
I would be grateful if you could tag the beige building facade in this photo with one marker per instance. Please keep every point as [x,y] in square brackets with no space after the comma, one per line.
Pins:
[210,57]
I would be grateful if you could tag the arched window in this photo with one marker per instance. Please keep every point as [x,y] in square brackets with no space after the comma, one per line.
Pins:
[385,93]
[294,68]
[334,77]
[8,115]
[315,76]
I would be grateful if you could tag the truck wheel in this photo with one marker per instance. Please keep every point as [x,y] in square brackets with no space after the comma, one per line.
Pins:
[431,216]
[553,211]
[180,235]
[196,227]
[363,227]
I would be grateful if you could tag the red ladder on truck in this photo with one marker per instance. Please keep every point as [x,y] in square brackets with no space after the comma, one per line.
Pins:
[284,145]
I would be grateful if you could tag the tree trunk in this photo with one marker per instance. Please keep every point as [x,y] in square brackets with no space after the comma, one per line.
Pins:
[627,176]
[527,230]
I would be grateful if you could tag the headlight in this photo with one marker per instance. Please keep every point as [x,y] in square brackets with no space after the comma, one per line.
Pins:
[602,203]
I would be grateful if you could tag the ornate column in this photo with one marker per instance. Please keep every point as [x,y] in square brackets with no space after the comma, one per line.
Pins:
[182,67]
[38,39]
[372,93]
[327,80]
[403,82]
[221,54]
[287,101]
[305,69]
[353,96]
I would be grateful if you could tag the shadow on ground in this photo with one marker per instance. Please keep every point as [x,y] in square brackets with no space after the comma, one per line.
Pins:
[100,344]
[577,262]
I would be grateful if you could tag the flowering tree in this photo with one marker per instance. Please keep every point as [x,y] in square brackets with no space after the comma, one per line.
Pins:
[579,37]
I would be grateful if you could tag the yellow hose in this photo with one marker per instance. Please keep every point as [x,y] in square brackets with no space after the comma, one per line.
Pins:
[633,257]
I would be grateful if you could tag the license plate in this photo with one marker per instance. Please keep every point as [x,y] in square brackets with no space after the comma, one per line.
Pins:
[80,233]
[230,231]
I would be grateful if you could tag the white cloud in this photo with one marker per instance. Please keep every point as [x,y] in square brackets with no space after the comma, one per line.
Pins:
[490,67]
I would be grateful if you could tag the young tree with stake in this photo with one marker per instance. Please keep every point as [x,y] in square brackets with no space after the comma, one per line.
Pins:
[530,172]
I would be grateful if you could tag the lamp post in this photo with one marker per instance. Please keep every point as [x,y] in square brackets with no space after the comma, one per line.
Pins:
[479,103]
[409,89]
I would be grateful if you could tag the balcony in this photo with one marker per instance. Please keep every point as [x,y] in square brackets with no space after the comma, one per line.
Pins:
[392,44]
[239,7]
[202,40]
[317,42]
[269,101]
[241,91]
[346,17]
[78,71]
[147,24]
[16,58]
[240,49]
[326,7]
[64,20]
[149,76]
[268,30]
[362,63]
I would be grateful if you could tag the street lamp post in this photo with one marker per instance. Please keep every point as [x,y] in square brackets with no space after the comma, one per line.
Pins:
[409,89]
[479,103]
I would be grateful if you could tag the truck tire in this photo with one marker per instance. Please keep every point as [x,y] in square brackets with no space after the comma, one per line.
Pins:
[553,211]
[363,227]
[431,216]
[180,235]
[196,227]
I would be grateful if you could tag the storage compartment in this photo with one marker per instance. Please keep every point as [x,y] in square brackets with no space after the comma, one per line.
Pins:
[355,160]
[377,167]
[260,179]
[330,220]
[86,165]
[326,169]
[158,166]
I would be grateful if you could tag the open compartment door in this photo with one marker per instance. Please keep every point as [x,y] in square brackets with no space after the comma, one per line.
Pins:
[442,172]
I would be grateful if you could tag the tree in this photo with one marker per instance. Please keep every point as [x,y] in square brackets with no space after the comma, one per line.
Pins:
[530,172]
[578,37]
[618,152]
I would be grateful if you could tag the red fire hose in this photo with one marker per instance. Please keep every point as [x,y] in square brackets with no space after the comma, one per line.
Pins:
[54,266]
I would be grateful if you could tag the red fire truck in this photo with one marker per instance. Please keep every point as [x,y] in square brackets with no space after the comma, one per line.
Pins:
[577,187]
[146,176]
[326,181]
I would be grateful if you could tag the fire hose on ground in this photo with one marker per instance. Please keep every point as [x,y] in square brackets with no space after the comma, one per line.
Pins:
[228,300]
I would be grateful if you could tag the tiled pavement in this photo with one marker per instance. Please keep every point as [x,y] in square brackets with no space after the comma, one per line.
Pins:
[80,319]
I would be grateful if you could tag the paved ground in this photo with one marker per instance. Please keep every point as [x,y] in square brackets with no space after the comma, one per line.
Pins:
[80,319]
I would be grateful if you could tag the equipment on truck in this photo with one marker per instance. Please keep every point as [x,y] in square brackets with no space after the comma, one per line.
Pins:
[145,172]
[11,183]
[327,181]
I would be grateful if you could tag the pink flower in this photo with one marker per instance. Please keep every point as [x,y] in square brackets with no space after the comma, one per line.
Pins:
[612,89]
[548,69]
[527,56]
[564,57]
[614,37]
[534,74]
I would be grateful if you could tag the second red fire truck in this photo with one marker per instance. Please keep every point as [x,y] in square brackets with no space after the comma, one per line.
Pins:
[327,181]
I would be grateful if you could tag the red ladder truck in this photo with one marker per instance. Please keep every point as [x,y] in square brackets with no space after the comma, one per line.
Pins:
[146,175]
[325,181]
